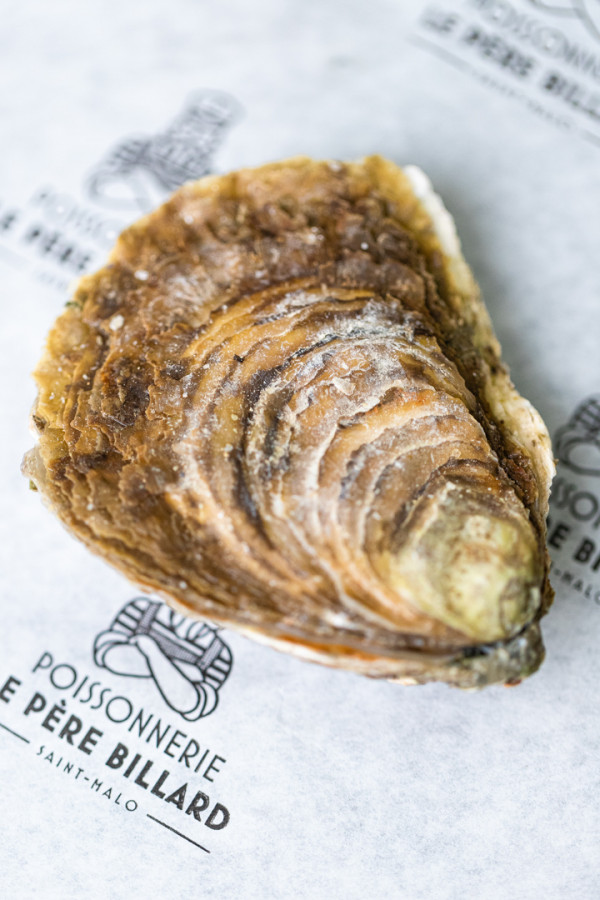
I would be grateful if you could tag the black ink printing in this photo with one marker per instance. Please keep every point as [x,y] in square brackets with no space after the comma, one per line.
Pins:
[133,172]
[577,444]
[188,661]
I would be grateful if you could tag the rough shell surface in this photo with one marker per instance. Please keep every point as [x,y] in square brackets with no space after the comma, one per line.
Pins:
[281,406]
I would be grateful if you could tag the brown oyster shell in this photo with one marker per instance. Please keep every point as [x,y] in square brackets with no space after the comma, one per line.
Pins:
[281,406]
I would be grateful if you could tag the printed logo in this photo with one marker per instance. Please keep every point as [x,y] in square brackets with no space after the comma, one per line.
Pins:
[136,173]
[188,661]
[114,747]
[577,444]
[532,51]
[56,236]
[588,11]
[574,523]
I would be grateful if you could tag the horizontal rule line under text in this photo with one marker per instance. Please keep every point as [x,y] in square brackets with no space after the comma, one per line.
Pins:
[174,830]
[16,734]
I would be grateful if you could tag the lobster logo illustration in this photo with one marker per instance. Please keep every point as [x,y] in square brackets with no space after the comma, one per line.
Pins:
[588,11]
[577,444]
[139,171]
[188,661]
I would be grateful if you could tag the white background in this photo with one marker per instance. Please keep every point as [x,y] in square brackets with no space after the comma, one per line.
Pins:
[337,786]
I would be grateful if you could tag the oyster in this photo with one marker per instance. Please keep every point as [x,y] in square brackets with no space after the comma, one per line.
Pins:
[281,406]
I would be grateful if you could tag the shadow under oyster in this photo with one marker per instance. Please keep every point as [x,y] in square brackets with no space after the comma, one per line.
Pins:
[281,406]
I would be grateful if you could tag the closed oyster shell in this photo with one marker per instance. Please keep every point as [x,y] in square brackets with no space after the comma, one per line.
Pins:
[281,406]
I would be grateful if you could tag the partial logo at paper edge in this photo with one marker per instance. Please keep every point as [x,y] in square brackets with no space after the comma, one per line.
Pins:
[587,11]
[187,660]
[57,237]
[577,444]
[138,170]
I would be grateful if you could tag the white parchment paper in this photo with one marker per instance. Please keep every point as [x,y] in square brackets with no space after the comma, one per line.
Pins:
[335,786]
